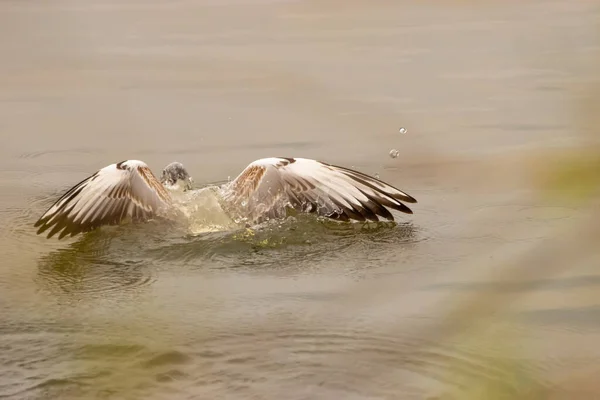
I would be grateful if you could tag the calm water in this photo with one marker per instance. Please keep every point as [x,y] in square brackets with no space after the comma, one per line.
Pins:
[473,292]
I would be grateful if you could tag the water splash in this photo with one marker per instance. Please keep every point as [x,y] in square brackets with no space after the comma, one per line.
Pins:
[203,212]
[394,153]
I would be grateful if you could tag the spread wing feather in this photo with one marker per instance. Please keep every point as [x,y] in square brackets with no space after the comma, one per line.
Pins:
[267,187]
[121,191]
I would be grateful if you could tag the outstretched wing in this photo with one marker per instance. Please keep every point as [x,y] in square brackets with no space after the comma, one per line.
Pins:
[117,192]
[268,186]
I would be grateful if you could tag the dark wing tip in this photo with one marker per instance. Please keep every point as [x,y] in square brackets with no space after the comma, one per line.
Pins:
[399,206]
[406,210]
[64,233]
[406,197]
[368,180]
[42,225]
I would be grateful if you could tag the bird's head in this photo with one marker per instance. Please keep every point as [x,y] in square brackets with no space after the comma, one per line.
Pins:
[174,173]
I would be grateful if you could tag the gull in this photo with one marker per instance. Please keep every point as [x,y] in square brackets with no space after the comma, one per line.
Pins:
[268,188]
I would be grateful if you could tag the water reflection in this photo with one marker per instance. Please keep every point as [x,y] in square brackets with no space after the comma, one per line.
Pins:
[128,257]
[88,271]
[96,263]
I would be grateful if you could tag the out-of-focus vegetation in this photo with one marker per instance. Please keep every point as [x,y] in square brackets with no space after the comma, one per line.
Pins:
[571,179]
[568,177]
[572,176]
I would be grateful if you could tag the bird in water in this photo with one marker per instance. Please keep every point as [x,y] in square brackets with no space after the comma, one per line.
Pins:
[268,188]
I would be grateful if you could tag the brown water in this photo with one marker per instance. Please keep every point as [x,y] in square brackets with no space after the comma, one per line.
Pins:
[485,289]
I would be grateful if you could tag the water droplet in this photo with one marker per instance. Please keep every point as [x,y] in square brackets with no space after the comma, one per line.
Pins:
[228,178]
[244,203]
[394,153]
[376,175]
[402,130]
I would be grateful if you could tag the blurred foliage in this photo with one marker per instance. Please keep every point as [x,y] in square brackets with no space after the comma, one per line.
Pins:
[573,177]
[569,177]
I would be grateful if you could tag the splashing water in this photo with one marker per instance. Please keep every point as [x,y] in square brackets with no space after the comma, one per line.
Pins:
[394,153]
[203,212]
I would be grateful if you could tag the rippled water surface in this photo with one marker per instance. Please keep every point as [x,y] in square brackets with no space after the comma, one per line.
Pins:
[469,295]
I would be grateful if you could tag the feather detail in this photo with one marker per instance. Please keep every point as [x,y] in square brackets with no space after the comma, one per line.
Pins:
[268,187]
[125,190]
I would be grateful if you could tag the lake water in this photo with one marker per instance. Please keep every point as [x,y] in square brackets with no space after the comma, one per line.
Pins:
[487,290]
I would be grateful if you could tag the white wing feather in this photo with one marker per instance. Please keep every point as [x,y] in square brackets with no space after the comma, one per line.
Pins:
[125,190]
[267,187]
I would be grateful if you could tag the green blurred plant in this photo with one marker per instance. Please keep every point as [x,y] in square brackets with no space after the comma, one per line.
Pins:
[574,178]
